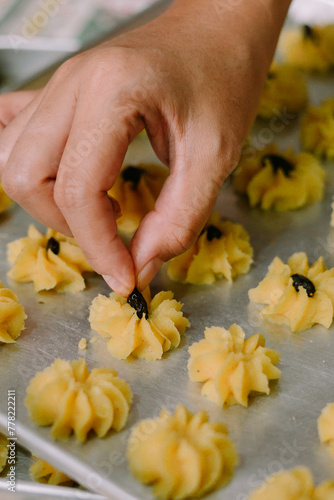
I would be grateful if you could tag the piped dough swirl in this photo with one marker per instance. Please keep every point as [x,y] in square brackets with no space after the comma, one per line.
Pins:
[294,484]
[181,455]
[68,398]
[288,306]
[285,92]
[317,129]
[45,473]
[136,190]
[264,177]
[51,261]
[326,426]
[223,253]
[12,316]
[230,367]
[147,338]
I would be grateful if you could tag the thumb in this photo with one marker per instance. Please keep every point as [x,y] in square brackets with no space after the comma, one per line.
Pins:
[184,204]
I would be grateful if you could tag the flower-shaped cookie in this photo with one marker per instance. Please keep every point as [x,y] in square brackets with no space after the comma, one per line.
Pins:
[143,335]
[5,201]
[43,472]
[294,484]
[70,399]
[296,294]
[285,91]
[279,181]
[221,251]
[3,451]
[326,426]
[232,367]
[136,190]
[12,316]
[317,129]
[51,261]
[181,455]
[310,48]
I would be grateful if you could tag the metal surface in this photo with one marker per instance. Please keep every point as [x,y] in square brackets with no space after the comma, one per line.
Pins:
[276,431]
[28,489]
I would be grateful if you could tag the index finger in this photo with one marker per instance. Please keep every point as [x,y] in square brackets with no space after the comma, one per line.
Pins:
[91,161]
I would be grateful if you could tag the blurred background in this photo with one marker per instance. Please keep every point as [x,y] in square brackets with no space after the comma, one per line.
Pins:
[38,34]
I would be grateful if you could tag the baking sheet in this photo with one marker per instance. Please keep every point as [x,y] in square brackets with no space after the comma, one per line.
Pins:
[276,431]
[27,489]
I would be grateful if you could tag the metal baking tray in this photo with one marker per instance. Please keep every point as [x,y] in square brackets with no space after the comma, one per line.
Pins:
[276,431]
[27,489]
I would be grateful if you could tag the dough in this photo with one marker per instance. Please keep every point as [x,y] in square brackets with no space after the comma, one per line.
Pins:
[278,181]
[302,305]
[147,338]
[51,261]
[231,367]
[43,472]
[5,201]
[181,455]
[326,426]
[309,48]
[136,190]
[70,399]
[3,452]
[317,130]
[294,484]
[285,92]
[12,316]
[221,251]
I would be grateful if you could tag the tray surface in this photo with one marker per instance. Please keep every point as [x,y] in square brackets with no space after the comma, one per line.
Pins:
[276,431]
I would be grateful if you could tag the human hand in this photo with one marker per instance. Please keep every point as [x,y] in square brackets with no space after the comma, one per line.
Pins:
[192,79]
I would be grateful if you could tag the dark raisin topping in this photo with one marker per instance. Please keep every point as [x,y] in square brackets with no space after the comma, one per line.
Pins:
[133,175]
[271,75]
[300,280]
[212,232]
[278,163]
[137,301]
[308,31]
[53,245]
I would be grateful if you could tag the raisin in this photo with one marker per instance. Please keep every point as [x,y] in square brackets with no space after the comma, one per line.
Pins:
[212,232]
[137,301]
[53,245]
[308,31]
[133,175]
[300,280]
[277,162]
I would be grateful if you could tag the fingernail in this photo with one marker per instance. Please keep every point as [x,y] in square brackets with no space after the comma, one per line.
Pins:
[117,286]
[148,272]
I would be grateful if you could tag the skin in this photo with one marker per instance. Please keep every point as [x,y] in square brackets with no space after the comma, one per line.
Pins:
[193,78]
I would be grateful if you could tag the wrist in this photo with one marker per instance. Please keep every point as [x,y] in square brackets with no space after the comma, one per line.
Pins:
[257,22]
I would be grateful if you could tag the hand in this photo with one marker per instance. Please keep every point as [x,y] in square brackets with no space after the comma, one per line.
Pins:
[192,78]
